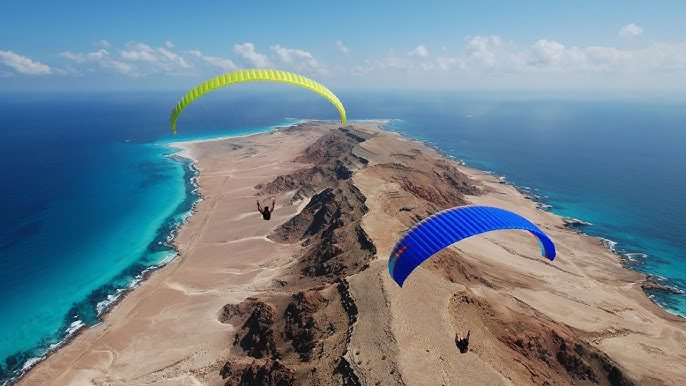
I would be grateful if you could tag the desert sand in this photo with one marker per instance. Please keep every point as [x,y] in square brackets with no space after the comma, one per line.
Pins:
[306,297]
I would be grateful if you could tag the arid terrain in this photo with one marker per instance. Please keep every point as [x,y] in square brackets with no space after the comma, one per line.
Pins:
[306,298]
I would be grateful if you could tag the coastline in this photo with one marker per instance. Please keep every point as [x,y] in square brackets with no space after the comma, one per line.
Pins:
[150,280]
[654,284]
[187,236]
[112,294]
[103,299]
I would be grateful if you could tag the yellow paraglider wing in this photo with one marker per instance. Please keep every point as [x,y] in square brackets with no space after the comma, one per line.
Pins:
[251,76]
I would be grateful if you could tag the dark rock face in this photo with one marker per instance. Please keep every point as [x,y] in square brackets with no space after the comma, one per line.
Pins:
[349,378]
[330,227]
[653,283]
[301,325]
[302,330]
[307,181]
[347,301]
[332,159]
[344,369]
[332,146]
[256,336]
[545,349]
[230,313]
[571,359]
[585,363]
[259,373]
[437,182]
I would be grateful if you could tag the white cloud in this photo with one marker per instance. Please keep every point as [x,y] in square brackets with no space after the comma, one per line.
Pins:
[494,55]
[482,59]
[81,57]
[103,58]
[151,60]
[172,57]
[247,52]
[22,64]
[164,57]
[342,47]
[139,52]
[630,31]
[394,63]
[288,55]
[420,51]
[121,67]
[598,58]
[225,64]
[157,59]
[481,53]
[662,57]
[553,56]
[445,63]
[299,59]
[549,53]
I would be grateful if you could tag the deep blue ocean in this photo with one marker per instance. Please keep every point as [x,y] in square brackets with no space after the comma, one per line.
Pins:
[90,193]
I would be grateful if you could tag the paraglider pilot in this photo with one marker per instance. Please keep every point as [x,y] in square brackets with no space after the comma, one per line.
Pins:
[266,212]
[462,343]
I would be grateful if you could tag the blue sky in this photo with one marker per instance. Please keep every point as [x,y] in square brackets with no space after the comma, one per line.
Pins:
[152,45]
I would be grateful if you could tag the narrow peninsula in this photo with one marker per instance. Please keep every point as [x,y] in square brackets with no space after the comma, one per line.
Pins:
[306,298]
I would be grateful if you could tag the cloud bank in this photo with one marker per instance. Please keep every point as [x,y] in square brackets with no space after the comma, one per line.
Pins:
[477,57]
[23,65]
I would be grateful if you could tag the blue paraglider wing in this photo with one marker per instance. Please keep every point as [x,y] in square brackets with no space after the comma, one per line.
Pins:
[442,229]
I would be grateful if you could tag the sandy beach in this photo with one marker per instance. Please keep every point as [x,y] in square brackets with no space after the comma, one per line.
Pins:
[306,297]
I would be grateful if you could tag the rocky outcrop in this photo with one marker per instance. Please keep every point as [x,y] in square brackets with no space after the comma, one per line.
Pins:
[329,226]
[653,283]
[331,160]
[347,301]
[256,336]
[335,145]
[349,378]
[550,352]
[267,372]
[231,313]
[303,329]
[563,353]
[307,182]
[439,183]
[300,323]
[344,369]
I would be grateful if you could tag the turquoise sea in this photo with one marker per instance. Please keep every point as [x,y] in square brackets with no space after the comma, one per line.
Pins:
[91,193]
